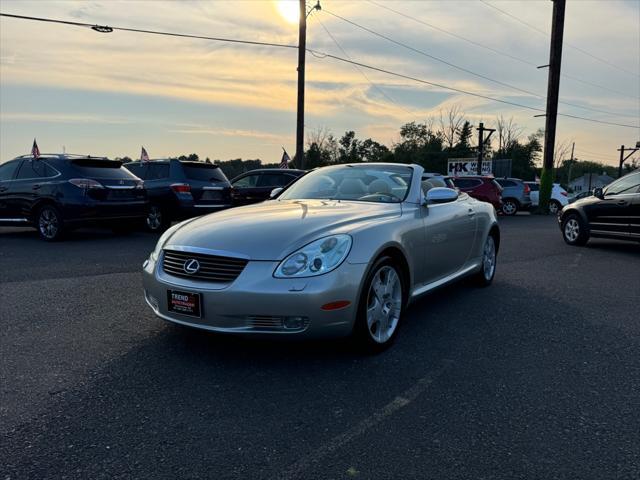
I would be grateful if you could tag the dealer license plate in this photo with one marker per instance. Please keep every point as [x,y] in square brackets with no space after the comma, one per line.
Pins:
[184,302]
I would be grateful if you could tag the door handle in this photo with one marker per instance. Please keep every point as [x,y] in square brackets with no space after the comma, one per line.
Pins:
[622,202]
[35,187]
[4,189]
[471,213]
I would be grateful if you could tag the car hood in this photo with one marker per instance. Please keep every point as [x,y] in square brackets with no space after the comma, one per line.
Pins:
[274,229]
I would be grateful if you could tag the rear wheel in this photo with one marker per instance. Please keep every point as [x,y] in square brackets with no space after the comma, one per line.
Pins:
[573,230]
[381,306]
[49,223]
[554,207]
[509,206]
[489,259]
[157,219]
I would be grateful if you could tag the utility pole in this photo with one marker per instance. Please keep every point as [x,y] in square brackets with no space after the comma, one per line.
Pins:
[481,143]
[553,88]
[302,49]
[570,164]
[623,159]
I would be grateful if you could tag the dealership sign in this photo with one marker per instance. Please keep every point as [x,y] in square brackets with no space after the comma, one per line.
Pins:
[462,167]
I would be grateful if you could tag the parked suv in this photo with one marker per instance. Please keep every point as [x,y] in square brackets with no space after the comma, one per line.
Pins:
[181,189]
[515,195]
[612,212]
[257,185]
[55,193]
[556,202]
[482,188]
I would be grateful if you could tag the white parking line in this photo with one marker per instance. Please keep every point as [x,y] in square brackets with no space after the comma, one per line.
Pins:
[297,469]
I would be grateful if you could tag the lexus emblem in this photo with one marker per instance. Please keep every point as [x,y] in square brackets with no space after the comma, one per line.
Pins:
[191,266]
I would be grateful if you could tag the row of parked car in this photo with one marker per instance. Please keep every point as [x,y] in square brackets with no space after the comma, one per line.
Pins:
[56,193]
[507,195]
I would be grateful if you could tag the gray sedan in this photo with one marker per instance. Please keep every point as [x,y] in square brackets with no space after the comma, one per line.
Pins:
[342,251]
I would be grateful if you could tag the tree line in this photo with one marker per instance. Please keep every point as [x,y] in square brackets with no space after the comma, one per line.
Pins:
[430,144]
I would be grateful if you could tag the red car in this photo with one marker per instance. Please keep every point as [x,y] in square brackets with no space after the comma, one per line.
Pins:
[482,188]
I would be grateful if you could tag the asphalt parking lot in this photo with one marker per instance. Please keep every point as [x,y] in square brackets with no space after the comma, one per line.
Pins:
[537,376]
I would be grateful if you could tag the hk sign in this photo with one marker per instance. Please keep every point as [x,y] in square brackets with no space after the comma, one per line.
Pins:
[461,167]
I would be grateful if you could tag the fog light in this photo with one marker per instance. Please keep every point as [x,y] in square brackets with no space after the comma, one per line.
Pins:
[153,301]
[295,323]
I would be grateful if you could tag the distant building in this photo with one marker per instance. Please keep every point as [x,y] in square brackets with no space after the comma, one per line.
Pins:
[581,184]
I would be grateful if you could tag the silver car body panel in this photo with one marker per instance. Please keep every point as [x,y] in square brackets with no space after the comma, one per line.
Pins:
[440,243]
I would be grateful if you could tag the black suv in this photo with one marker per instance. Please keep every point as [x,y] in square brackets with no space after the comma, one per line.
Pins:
[257,185]
[55,193]
[180,189]
[612,212]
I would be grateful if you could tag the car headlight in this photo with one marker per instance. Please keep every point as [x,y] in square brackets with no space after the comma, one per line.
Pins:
[316,258]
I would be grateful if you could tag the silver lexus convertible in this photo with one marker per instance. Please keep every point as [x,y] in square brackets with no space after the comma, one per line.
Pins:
[342,251]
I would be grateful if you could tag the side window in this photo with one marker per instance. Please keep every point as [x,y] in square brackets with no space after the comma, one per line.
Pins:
[247,182]
[273,180]
[466,183]
[30,169]
[43,169]
[628,184]
[8,169]
[158,172]
[137,169]
[534,187]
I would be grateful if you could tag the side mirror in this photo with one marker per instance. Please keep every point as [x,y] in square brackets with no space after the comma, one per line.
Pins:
[275,192]
[440,195]
[597,192]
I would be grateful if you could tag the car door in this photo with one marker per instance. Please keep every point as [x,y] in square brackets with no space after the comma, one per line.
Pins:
[8,170]
[450,230]
[613,215]
[244,189]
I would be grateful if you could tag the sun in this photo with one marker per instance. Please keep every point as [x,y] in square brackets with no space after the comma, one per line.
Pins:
[289,9]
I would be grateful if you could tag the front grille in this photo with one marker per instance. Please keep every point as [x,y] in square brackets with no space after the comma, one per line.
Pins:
[213,268]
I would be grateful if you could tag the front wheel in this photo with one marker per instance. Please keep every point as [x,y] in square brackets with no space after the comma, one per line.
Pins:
[49,223]
[573,230]
[381,306]
[509,207]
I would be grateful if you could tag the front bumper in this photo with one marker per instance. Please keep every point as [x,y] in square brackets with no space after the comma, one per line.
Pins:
[259,304]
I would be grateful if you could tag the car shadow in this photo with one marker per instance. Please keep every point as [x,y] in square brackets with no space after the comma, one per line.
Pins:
[619,246]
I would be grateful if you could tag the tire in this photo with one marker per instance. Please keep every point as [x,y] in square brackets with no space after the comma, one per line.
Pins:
[157,220]
[509,207]
[484,277]
[554,207]
[49,223]
[378,319]
[574,231]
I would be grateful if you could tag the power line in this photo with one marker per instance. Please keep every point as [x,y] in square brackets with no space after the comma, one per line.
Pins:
[495,50]
[466,70]
[319,55]
[108,29]
[546,34]
[366,77]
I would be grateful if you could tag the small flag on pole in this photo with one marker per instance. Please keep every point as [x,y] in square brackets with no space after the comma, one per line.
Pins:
[144,156]
[284,162]
[35,151]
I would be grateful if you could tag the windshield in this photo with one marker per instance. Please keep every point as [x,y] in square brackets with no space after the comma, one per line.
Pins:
[366,183]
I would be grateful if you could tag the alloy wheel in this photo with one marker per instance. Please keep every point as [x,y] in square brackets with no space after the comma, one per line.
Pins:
[509,208]
[553,208]
[572,230]
[384,304]
[154,218]
[489,258]
[48,223]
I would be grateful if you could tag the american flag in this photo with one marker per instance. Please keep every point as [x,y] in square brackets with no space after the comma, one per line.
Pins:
[35,151]
[284,162]
[144,156]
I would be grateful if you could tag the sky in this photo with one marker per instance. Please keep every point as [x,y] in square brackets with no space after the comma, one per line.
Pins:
[110,93]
